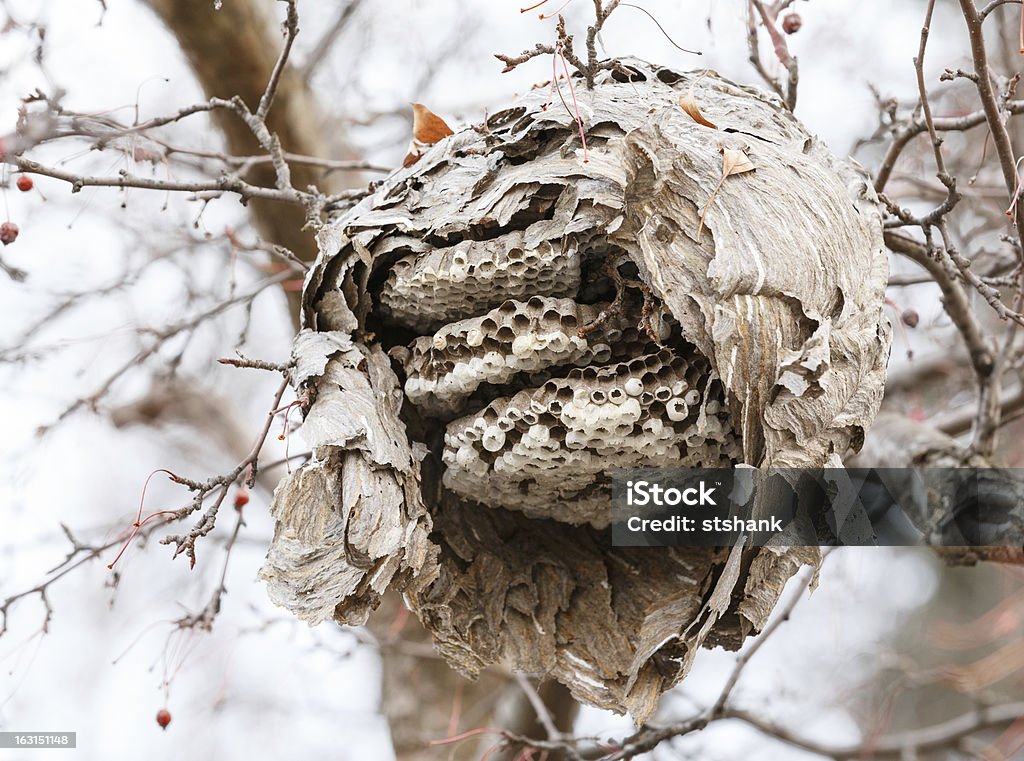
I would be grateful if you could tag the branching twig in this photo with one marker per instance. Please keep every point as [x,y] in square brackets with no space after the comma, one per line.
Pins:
[186,543]
[912,744]
[204,618]
[990,104]
[543,714]
[781,617]
[225,184]
[160,337]
[955,301]
[754,52]
[983,14]
[768,18]
[564,43]
[903,134]
[79,555]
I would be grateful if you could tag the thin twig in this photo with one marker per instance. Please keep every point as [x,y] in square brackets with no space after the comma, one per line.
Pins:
[543,714]
[954,300]
[781,48]
[186,543]
[291,30]
[781,617]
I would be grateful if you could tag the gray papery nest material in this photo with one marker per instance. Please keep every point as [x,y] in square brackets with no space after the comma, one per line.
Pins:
[500,324]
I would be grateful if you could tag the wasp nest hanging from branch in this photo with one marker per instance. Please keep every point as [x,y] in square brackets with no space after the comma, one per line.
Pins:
[499,325]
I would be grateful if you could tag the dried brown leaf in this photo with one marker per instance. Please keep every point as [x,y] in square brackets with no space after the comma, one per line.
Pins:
[427,127]
[734,161]
[689,105]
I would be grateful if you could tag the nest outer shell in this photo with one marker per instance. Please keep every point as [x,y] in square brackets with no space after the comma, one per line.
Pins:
[783,293]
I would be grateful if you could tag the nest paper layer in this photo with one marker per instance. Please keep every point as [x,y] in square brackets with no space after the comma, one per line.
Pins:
[777,303]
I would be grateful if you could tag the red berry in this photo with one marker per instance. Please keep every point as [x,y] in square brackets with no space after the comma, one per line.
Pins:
[910,318]
[8,233]
[25,183]
[241,497]
[791,23]
[163,718]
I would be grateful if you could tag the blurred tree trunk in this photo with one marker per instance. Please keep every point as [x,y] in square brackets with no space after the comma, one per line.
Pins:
[232,51]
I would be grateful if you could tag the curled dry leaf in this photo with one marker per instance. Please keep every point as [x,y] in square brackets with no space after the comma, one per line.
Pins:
[427,128]
[734,161]
[689,105]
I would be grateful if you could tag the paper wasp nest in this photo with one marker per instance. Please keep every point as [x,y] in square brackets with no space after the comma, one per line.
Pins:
[497,327]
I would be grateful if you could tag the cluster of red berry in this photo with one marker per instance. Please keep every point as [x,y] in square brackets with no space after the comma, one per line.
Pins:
[8,230]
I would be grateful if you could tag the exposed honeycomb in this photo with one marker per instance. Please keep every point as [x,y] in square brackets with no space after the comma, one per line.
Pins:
[518,338]
[549,451]
[559,366]
[425,291]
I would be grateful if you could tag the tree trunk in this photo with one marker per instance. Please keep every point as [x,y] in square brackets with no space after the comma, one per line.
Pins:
[232,51]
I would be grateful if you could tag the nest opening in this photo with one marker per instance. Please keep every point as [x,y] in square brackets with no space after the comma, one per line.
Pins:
[539,387]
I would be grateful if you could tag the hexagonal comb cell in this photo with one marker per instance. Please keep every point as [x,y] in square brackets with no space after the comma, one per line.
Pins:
[516,341]
[426,291]
[548,452]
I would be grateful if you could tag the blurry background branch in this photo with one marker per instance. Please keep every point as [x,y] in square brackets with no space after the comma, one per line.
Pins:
[232,52]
